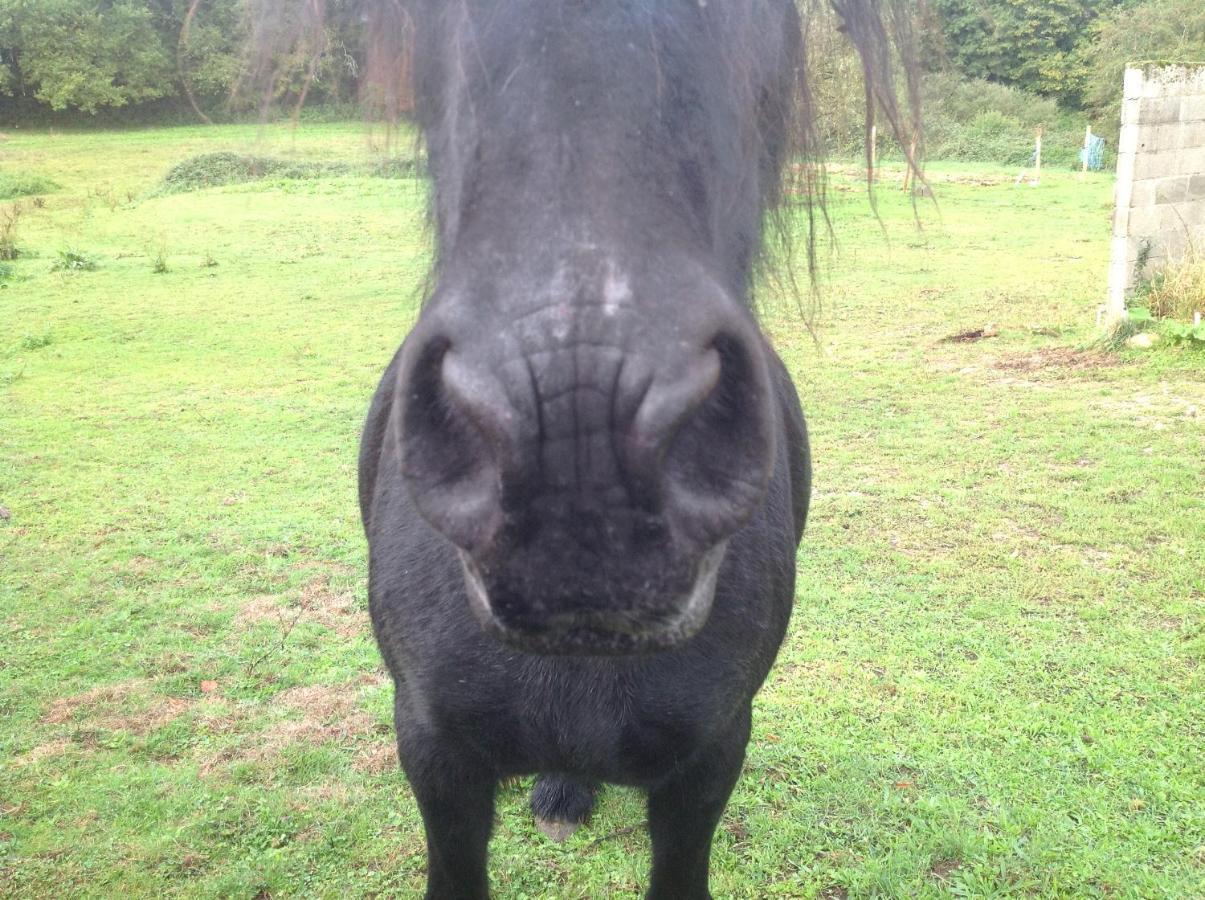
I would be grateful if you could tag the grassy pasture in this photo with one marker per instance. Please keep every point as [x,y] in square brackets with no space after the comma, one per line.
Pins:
[992,684]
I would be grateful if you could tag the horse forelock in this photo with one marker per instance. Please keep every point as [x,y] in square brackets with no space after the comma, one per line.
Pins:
[435,52]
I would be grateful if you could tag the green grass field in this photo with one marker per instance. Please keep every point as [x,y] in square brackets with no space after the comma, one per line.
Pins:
[992,685]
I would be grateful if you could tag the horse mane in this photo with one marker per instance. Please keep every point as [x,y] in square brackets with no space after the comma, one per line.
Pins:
[880,31]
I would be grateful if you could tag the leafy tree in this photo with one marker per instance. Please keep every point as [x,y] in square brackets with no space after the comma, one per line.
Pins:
[1031,44]
[92,55]
[1157,30]
[84,54]
[210,40]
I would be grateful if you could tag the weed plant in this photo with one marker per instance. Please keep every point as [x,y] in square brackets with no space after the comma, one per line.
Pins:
[21,184]
[1177,291]
[216,169]
[10,218]
[74,261]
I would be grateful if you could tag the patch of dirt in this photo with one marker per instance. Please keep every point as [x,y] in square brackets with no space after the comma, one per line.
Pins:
[332,706]
[324,713]
[105,708]
[972,179]
[318,602]
[738,830]
[1159,408]
[971,335]
[218,716]
[327,792]
[261,608]
[155,716]
[191,863]
[337,610]
[42,751]
[65,708]
[942,869]
[1067,358]
[379,759]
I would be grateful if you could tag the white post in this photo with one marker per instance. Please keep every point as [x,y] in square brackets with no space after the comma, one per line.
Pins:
[909,163]
[1120,263]
[1037,157]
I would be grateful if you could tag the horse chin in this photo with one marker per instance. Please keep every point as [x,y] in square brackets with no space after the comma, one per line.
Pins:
[601,632]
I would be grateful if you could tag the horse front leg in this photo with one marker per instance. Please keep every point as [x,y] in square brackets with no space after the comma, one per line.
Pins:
[455,794]
[684,812]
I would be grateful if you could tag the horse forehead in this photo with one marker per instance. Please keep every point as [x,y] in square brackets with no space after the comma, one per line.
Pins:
[557,301]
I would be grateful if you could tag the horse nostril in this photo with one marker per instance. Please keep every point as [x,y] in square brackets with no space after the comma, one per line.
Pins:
[449,443]
[718,462]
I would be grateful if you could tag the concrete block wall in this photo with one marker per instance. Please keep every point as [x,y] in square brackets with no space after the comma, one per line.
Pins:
[1160,195]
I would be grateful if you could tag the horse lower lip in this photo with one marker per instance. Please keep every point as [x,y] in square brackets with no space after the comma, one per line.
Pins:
[600,634]
[587,640]
[602,631]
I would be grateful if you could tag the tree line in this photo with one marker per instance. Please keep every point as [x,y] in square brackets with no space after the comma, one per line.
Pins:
[93,56]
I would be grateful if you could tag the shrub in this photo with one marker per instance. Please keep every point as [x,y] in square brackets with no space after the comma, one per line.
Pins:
[36,341]
[24,185]
[1178,290]
[216,169]
[1167,31]
[73,261]
[10,216]
[980,121]
[89,54]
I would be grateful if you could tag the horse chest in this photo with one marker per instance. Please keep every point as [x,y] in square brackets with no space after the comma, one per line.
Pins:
[595,722]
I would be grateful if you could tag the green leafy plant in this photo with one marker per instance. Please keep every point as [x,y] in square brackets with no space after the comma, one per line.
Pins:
[73,261]
[1183,333]
[1177,291]
[10,216]
[1169,31]
[159,260]
[87,54]
[36,341]
[225,167]
[20,184]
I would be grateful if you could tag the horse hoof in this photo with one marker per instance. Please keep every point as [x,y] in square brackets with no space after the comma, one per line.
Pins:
[556,831]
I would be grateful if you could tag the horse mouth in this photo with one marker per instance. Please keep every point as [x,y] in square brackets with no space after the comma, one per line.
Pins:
[600,632]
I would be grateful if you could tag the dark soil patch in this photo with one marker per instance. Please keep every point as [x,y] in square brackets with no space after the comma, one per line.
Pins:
[1059,358]
[969,336]
[942,869]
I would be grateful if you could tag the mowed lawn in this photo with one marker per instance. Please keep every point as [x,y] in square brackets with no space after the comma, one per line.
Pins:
[992,684]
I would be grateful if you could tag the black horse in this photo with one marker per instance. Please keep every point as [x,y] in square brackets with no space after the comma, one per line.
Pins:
[585,473]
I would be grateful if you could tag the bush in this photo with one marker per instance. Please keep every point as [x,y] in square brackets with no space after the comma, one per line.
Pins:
[73,261]
[964,119]
[1029,44]
[216,169]
[86,54]
[1178,290]
[10,217]
[15,184]
[979,121]
[1166,31]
